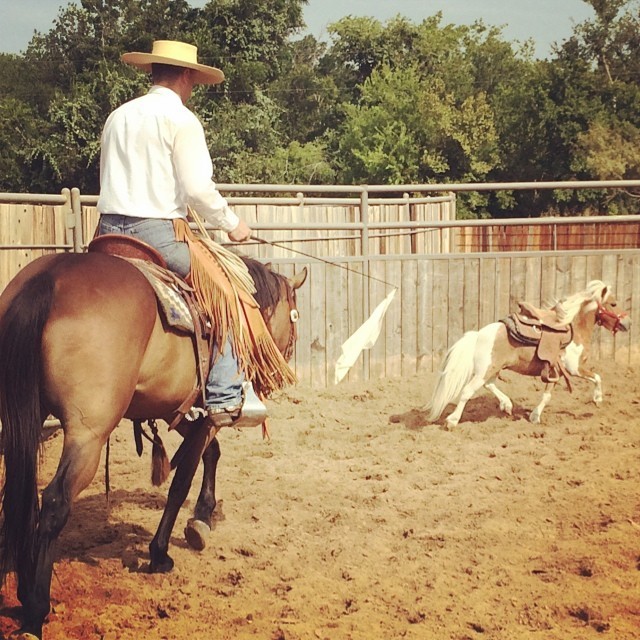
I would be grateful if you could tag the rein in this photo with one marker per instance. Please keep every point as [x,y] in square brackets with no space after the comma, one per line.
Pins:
[319,259]
[603,314]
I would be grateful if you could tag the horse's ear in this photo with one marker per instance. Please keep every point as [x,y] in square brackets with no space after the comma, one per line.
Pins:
[298,280]
[267,265]
[604,293]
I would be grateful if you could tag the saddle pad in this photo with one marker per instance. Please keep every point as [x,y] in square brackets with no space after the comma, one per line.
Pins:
[171,302]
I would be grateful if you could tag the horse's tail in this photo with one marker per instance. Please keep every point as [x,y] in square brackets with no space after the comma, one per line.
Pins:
[21,415]
[456,371]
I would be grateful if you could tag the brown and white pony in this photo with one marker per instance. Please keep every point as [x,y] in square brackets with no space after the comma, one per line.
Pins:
[477,358]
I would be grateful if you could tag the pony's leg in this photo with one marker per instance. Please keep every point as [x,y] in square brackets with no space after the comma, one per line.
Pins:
[480,364]
[76,469]
[573,359]
[597,388]
[596,380]
[196,442]
[505,401]
[199,527]
[535,415]
[467,393]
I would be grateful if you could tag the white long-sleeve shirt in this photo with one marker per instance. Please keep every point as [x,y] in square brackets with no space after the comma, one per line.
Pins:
[154,162]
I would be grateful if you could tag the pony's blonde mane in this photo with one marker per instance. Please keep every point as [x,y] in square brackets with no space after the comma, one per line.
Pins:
[568,308]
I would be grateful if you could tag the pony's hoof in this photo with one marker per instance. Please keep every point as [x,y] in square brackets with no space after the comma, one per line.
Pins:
[534,417]
[506,408]
[196,533]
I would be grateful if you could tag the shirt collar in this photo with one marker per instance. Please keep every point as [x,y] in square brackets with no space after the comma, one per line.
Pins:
[156,89]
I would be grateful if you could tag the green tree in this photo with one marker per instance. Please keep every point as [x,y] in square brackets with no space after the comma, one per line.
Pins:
[597,99]
[398,102]
[18,129]
[247,146]
[406,129]
[248,39]
[81,77]
[611,154]
[420,115]
[309,99]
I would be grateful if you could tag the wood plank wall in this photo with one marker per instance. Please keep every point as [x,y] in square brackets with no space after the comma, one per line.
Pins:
[612,235]
[439,296]
[22,225]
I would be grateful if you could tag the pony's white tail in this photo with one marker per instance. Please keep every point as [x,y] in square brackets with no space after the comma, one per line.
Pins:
[456,371]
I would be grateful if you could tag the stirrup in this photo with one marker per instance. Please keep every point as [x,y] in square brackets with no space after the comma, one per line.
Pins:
[251,413]
[549,374]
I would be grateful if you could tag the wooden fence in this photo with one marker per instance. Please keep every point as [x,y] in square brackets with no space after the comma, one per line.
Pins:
[439,298]
[605,233]
[28,231]
[442,290]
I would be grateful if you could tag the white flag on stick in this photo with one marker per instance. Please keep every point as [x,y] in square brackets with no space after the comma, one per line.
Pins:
[363,338]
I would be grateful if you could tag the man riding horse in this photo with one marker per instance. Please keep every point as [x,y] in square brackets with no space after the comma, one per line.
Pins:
[154,167]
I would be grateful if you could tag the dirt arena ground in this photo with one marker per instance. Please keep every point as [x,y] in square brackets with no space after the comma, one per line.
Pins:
[348,526]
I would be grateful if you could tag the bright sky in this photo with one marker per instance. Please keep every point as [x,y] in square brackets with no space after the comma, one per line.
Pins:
[543,21]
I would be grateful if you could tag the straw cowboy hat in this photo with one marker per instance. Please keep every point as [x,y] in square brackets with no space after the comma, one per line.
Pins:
[178,54]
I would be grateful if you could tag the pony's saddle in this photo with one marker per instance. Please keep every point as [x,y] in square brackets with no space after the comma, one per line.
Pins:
[176,300]
[541,328]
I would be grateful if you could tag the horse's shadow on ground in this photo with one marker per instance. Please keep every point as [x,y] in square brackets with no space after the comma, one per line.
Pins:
[93,533]
[414,419]
[477,410]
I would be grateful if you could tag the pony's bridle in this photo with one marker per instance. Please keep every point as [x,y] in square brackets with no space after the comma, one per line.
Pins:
[603,314]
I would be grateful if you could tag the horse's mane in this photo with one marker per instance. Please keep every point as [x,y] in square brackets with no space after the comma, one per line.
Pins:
[268,283]
[568,308]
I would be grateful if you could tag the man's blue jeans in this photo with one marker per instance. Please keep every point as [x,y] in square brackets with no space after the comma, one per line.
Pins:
[224,384]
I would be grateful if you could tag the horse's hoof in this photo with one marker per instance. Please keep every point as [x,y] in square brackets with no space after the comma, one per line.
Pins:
[164,566]
[196,533]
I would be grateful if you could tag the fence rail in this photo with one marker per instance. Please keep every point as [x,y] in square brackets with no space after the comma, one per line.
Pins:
[451,275]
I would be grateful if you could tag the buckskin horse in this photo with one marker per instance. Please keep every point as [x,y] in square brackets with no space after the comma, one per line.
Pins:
[82,338]
[477,358]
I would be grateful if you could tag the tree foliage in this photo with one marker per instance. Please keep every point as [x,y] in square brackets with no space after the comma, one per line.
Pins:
[396,102]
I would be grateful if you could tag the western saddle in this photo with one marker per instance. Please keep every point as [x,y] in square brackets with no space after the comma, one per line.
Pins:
[541,328]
